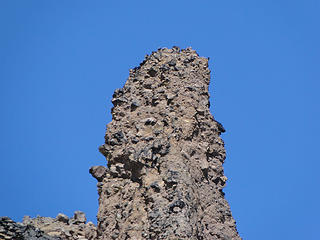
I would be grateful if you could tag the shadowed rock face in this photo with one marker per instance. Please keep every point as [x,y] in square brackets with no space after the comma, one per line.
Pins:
[10,230]
[165,177]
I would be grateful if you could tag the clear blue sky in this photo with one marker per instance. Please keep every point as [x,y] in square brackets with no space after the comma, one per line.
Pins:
[61,61]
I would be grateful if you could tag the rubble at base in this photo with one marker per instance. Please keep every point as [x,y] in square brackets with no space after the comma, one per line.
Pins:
[46,228]
[10,230]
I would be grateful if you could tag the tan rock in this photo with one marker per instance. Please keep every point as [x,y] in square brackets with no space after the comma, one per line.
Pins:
[164,155]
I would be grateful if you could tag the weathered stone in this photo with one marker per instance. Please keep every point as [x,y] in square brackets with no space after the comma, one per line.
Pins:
[79,217]
[98,172]
[164,155]
[16,231]
[46,228]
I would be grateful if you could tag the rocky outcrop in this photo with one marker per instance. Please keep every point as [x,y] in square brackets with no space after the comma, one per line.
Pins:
[164,178]
[10,230]
[45,228]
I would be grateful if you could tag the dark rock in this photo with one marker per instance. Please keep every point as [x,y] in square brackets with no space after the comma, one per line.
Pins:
[164,68]
[172,63]
[118,101]
[118,92]
[119,136]
[135,105]
[98,172]
[220,127]
[134,140]
[152,72]
[155,186]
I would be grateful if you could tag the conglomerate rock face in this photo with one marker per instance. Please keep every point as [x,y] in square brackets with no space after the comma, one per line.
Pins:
[165,177]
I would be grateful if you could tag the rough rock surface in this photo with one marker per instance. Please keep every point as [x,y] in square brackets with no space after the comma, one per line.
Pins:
[165,177]
[46,228]
[64,227]
[10,230]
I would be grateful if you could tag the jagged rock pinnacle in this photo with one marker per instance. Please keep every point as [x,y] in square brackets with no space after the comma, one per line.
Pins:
[165,177]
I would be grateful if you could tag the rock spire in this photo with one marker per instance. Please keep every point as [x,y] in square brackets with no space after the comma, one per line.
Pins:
[164,178]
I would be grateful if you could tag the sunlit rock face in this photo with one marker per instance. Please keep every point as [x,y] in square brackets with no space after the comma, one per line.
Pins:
[164,177]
